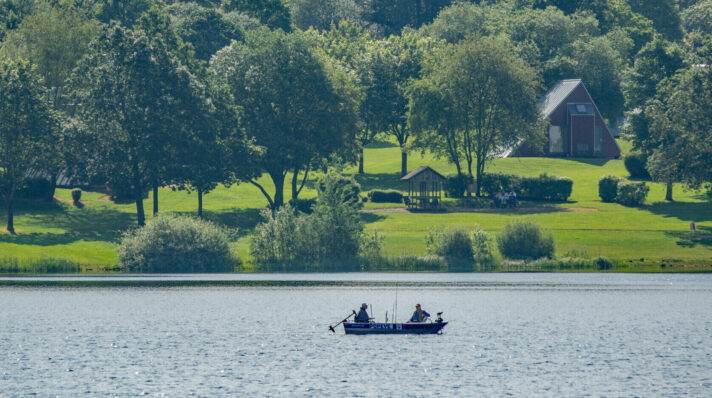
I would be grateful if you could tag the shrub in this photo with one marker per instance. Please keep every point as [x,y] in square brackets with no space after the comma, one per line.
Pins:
[635,164]
[495,183]
[176,244]
[602,264]
[455,186]
[76,195]
[631,193]
[348,187]
[608,188]
[411,263]
[370,247]
[454,245]
[303,205]
[35,188]
[388,196]
[525,240]
[481,247]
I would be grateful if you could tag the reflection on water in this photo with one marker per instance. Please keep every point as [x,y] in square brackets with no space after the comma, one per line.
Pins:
[521,334]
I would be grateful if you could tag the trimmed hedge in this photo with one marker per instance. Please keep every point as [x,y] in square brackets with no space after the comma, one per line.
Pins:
[76,195]
[544,187]
[455,185]
[632,193]
[635,164]
[387,196]
[608,188]
[35,188]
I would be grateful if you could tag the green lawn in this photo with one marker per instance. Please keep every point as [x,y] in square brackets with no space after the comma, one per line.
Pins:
[656,232]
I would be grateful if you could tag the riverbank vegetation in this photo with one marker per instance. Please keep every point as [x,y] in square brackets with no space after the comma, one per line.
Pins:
[235,111]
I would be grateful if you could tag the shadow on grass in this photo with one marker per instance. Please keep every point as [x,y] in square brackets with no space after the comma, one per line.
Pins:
[703,237]
[244,220]
[381,181]
[686,211]
[91,224]
[600,162]
[371,217]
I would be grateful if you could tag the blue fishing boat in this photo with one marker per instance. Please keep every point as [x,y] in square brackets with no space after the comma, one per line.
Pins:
[394,328]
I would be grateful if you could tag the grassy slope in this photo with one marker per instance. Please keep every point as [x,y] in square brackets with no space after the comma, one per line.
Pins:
[583,225]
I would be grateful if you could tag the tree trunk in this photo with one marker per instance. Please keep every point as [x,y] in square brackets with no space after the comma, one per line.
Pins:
[200,203]
[52,186]
[295,180]
[155,200]
[139,207]
[360,162]
[278,180]
[668,191]
[10,221]
[404,163]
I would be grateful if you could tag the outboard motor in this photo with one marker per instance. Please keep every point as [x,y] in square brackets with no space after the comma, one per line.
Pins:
[440,318]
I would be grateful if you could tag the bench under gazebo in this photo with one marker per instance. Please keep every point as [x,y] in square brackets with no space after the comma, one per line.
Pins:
[424,188]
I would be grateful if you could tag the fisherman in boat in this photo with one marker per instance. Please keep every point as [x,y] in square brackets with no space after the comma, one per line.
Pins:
[420,315]
[362,314]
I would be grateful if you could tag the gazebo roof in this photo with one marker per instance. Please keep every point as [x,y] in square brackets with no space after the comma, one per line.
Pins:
[420,170]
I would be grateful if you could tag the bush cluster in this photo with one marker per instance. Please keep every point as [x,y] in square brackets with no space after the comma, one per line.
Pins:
[525,240]
[455,185]
[631,193]
[348,188]
[332,233]
[385,196]
[544,187]
[635,164]
[608,188]
[35,188]
[613,189]
[176,244]
[303,205]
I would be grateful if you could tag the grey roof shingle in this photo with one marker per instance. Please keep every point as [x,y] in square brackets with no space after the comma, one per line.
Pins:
[558,94]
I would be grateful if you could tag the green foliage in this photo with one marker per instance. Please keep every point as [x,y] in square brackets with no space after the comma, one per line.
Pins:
[273,13]
[342,185]
[453,244]
[323,14]
[525,240]
[631,193]
[456,185]
[35,188]
[208,31]
[608,188]
[544,187]
[288,240]
[635,164]
[698,17]
[176,244]
[13,265]
[385,196]
[602,264]
[407,263]
[76,195]
[482,248]
[303,205]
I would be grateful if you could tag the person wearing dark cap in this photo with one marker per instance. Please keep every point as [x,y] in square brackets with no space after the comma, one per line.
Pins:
[362,314]
[420,315]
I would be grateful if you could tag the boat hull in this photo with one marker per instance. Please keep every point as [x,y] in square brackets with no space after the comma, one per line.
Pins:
[393,328]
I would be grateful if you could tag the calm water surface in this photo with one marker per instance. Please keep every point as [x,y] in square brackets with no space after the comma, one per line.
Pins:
[510,334]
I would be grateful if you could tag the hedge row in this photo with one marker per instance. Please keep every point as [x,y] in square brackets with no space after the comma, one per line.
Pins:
[614,189]
[544,187]
[387,196]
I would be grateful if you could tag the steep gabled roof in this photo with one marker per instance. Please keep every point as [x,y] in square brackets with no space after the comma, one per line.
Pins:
[418,171]
[557,94]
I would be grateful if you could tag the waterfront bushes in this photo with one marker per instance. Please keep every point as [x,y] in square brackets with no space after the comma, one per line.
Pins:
[460,249]
[525,240]
[176,244]
[13,265]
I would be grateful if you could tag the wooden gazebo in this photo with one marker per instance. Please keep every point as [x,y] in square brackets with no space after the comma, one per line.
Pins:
[424,188]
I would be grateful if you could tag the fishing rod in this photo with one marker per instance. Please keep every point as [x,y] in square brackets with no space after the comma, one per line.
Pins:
[345,319]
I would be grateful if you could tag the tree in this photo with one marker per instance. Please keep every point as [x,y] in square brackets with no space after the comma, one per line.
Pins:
[698,17]
[323,14]
[393,15]
[273,13]
[681,129]
[133,95]
[296,106]
[125,12]
[26,131]
[490,96]
[54,39]
[393,64]
[208,31]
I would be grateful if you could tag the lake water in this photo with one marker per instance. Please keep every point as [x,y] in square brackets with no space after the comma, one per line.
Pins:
[509,334]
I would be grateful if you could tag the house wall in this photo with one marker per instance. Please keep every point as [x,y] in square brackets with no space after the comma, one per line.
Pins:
[581,129]
[609,148]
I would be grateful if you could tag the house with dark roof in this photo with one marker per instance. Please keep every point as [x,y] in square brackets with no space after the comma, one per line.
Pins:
[576,127]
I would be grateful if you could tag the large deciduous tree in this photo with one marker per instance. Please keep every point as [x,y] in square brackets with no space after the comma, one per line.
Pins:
[295,105]
[134,95]
[26,129]
[681,129]
[273,13]
[478,98]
